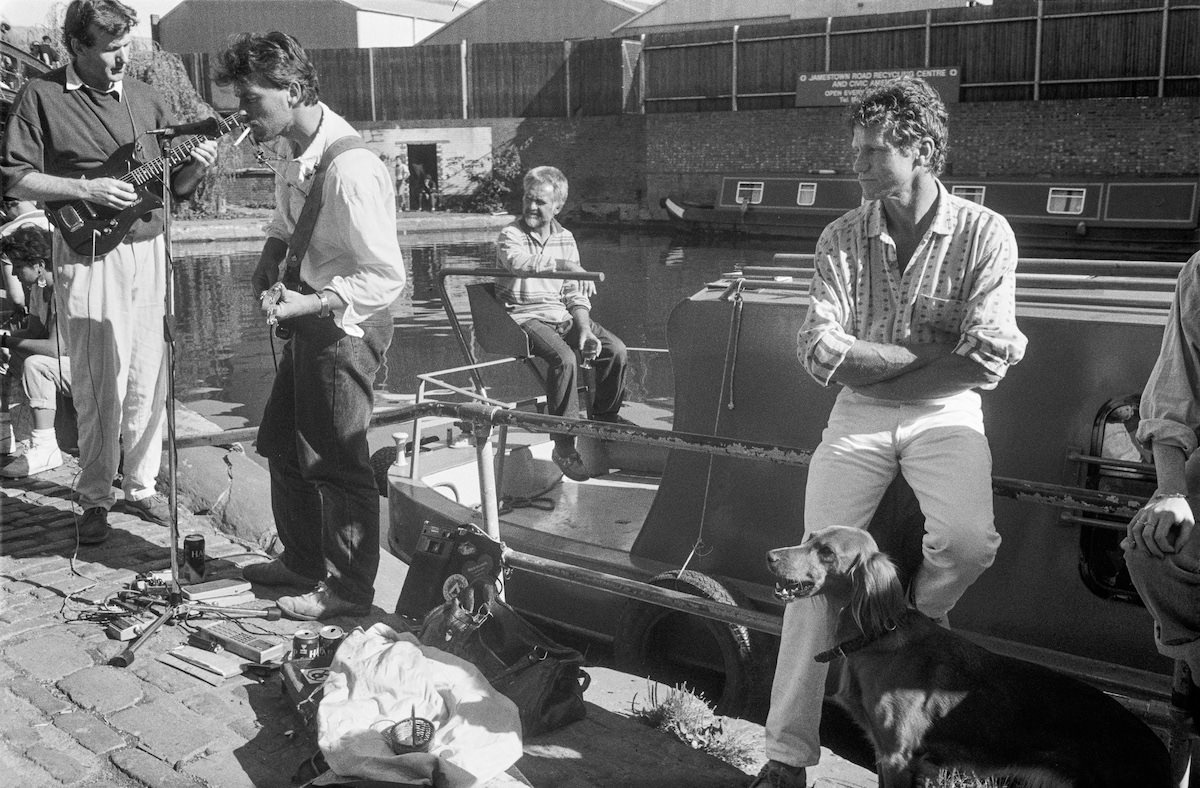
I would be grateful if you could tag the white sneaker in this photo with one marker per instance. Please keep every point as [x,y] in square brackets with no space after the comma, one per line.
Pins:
[38,459]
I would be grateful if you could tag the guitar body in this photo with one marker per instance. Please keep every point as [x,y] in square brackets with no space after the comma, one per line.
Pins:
[80,221]
[95,230]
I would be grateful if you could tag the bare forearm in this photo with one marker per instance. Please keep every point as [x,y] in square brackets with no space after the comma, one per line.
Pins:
[38,186]
[941,377]
[1170,465]
[868,363]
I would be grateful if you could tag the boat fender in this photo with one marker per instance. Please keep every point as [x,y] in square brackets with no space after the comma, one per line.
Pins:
[1081,229]
[643,627]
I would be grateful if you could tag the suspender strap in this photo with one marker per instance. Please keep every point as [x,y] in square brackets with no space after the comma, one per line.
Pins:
[298,245]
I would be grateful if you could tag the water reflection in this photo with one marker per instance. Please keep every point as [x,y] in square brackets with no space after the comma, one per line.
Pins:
[225,354]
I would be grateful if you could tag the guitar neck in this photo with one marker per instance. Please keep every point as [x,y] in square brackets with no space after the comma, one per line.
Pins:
[178,154]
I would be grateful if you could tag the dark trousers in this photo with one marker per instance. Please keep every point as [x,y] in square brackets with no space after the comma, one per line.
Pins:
[314,436]
[556,345]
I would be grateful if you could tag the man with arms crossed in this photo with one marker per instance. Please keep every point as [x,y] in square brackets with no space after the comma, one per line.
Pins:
[314,427]
[912,311]
[64,123]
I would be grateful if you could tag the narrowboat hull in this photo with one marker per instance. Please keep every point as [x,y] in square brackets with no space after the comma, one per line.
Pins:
[1148,218]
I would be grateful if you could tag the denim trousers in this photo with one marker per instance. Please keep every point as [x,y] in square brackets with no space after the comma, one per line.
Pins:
[555,344]
[940,447]
[314,436]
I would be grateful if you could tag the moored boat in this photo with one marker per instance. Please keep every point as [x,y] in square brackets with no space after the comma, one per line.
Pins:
[1082,217]
[690,501]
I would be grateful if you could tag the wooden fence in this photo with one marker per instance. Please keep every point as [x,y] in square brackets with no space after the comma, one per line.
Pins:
[1015,50]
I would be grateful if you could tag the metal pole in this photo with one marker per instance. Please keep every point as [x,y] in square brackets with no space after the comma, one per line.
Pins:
[643,63]
[734,71]
[1162,48]
[567,74]
[1037,52]
[371,75]
[462,56]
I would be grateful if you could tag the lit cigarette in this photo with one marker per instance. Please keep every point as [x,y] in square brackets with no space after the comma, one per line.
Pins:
[241,136]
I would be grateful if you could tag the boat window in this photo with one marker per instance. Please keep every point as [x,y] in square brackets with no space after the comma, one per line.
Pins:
[806,194]
[749,192]
[972,193]
[1063,200]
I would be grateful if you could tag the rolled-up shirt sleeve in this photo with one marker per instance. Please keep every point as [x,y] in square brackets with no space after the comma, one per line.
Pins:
[824,338]
[1170,413]
[989,334]
[359,203]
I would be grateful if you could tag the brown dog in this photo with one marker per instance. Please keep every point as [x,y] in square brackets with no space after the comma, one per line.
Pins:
[929,699]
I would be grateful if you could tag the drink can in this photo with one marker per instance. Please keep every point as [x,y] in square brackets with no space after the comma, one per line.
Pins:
[193,553]
[304,644]
[329,638]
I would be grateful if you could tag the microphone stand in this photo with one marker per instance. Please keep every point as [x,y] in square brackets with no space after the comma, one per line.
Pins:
[175,608]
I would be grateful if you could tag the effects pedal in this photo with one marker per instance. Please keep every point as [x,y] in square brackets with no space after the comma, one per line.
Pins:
[126,627]
[255,647]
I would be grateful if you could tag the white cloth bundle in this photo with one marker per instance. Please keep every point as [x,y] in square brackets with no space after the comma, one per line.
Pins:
[379,677]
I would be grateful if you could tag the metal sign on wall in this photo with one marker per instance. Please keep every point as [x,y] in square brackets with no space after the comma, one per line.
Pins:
[830,88]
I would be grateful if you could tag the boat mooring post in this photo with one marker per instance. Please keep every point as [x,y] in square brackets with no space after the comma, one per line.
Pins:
[485,459]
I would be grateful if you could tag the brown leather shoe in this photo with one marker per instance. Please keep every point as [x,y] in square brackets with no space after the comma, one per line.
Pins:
[275,573]
[154,509]
[93,527]
[319,604]
[571,464]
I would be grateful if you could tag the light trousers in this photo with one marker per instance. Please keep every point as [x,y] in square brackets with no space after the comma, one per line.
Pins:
[114,307]
[43,378]
[940,448]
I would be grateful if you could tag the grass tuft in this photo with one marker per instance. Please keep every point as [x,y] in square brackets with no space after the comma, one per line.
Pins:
[688,716]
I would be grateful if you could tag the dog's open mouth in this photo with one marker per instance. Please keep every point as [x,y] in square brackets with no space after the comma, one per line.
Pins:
[786,592]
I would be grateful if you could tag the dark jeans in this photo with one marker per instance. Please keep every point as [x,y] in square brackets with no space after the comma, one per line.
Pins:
[314,436]
[556,345]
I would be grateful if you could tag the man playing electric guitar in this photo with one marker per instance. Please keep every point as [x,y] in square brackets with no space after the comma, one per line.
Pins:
[63,124]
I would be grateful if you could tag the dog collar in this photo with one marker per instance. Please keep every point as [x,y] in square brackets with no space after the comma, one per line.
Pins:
[854,644]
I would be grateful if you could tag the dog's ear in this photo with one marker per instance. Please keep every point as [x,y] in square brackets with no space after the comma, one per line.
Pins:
[876,595]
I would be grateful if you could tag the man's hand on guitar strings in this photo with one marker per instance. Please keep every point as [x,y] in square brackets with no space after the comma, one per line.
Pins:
[111,192]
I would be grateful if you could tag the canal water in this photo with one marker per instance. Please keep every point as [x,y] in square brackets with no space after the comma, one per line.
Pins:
[225,355]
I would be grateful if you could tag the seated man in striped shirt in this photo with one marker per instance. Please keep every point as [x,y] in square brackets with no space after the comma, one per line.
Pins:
[912,311]
[556,313]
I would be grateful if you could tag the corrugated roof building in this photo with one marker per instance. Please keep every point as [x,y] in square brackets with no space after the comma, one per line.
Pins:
[499,21]
[670,16]
[206,25]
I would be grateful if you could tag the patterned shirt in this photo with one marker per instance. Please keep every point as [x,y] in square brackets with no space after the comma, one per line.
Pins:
[549,300]
[353,251]
[1170,403]
[961,280]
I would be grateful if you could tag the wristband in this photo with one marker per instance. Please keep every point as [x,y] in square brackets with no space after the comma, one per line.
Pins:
[1164,496]
[324,299]
[3,340]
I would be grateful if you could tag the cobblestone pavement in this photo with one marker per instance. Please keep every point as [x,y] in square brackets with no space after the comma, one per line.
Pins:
[68,718]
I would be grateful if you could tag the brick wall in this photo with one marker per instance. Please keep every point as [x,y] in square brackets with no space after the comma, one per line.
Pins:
[622,165]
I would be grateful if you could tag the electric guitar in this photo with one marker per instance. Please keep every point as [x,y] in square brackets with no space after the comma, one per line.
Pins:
[91,229]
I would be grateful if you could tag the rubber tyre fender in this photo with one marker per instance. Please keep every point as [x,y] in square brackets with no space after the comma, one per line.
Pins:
[381,461]
[638,621]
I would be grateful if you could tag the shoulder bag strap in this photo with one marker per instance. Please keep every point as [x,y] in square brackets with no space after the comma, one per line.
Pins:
[298,245]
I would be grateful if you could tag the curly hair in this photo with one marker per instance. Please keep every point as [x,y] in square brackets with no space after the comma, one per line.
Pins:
[276,57]
[110,16]
[907,109]
[26,245]
[550,176]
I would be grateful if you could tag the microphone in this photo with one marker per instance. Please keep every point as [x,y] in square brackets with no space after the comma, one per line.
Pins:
[209,127]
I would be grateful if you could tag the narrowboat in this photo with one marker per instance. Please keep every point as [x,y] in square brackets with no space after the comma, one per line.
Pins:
[688,501]
[1151,218]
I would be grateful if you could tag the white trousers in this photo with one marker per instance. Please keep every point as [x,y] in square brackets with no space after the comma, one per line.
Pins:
[940,447]
[114,307]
